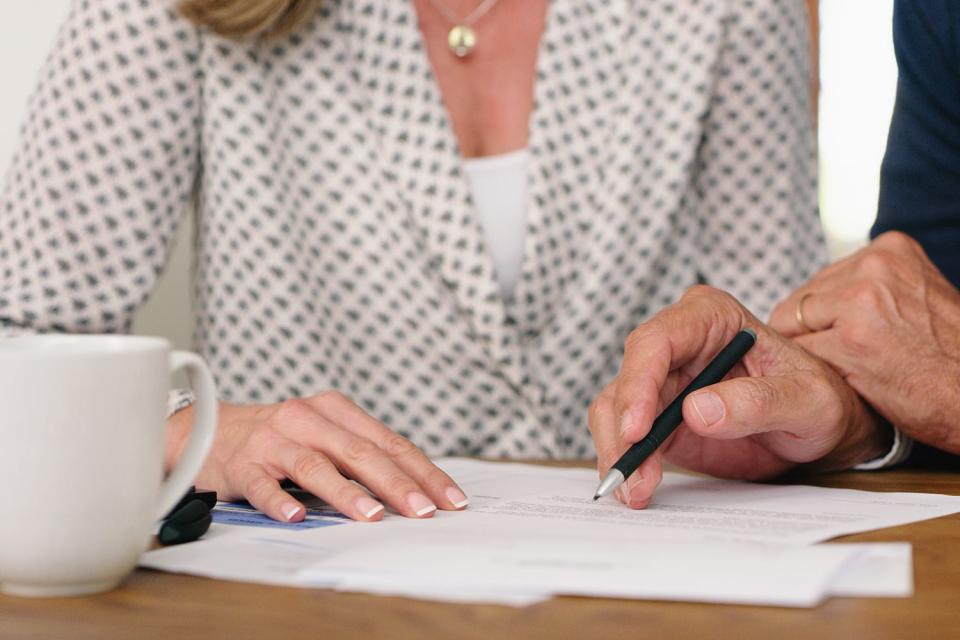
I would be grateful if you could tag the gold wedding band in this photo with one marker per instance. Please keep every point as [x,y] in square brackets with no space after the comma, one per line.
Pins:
[803,324]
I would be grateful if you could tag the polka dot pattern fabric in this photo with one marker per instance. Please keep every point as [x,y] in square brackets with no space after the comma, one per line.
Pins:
[336,244]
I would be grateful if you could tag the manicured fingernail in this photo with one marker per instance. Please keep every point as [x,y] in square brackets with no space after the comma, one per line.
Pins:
[420,504]
[456,497]
[290,510]
[709,407]
[368,506]
[626,421]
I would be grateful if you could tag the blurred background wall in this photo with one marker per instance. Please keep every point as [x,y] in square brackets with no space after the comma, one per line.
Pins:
[857,84]
[27,30]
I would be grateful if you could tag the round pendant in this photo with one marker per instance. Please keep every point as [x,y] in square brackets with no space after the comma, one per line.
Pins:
[461,40]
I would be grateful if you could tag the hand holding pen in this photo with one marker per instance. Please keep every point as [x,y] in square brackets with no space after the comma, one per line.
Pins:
[778,406]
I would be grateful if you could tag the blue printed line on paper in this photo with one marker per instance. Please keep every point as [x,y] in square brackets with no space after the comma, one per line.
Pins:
[247,519]
[244,515]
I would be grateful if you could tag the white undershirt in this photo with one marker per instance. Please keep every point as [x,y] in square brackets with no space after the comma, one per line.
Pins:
[499,188]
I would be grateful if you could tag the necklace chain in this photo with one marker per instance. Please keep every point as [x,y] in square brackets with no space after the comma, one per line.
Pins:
[482,10]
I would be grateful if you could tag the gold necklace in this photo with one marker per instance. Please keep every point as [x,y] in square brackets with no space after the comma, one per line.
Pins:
[462,38]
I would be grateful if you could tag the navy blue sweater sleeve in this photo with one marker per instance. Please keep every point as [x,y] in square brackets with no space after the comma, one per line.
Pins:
[920,177]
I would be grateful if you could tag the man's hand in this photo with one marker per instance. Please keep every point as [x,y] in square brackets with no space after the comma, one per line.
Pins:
[778,408]
[889,323]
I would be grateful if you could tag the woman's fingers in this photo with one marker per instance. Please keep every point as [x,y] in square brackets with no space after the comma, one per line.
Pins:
[263,491]
[340,410]
[369,465]
[313,472]
[354,456]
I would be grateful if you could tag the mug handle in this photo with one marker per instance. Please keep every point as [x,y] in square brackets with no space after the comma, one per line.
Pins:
[201,435]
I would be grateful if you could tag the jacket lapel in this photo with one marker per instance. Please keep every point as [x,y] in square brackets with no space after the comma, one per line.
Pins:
[419,160]
[577,97]
[577,100]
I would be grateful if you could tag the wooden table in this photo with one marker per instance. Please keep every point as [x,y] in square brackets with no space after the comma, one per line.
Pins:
[157,605]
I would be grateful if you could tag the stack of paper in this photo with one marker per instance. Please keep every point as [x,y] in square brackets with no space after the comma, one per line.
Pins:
[532,532]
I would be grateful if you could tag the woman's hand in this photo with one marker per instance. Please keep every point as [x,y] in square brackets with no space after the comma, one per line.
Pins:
[889,323]
[777,408]
[319,443]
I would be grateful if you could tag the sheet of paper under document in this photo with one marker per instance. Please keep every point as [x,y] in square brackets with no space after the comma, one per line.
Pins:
[532,532]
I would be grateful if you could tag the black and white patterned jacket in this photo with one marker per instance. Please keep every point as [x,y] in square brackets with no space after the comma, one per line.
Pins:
[336,246]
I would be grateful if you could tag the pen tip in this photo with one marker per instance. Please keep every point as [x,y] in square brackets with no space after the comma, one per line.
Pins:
[596,497]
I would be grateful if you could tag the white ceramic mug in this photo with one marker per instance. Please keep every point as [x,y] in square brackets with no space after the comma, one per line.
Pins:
[82,435]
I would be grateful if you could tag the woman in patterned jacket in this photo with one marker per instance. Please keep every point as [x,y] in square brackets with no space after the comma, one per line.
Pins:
[444,216]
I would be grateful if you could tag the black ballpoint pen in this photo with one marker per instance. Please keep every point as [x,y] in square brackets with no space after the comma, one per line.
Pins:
[668,421]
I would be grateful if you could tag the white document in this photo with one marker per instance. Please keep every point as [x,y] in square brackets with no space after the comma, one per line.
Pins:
[689,507]
[279,561]
[669,572]
[881,570]
[238,558]
[796,577]
[532,532]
